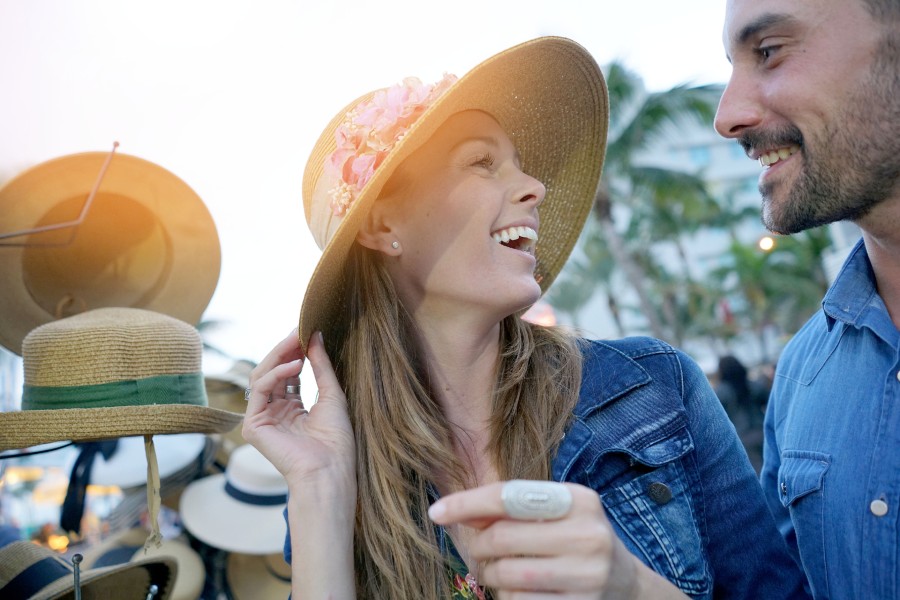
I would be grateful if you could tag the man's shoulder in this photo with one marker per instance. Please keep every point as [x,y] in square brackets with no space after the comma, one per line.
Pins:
[813,333]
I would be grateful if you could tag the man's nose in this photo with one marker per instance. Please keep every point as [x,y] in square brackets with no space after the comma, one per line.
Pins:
[738,108]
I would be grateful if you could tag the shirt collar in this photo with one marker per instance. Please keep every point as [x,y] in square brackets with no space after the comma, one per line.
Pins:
[852,290]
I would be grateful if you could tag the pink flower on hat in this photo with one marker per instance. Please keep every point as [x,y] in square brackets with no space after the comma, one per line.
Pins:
[370,131]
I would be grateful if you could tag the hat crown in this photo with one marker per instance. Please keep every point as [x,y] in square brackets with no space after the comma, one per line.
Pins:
[251,473]
[107,345]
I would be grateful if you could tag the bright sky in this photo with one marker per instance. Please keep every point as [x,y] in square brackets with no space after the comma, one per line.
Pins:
[230,96]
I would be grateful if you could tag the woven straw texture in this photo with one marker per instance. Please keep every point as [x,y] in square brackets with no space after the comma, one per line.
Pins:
[147,241]
[105,346]
[122,581]
[109,345]
[548,94]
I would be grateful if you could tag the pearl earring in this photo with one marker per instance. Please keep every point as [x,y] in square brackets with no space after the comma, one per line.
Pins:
[395,244]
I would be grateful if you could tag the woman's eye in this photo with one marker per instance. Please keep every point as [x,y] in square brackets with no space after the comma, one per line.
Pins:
[483,160]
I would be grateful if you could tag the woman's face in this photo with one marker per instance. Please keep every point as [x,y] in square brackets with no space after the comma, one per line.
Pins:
[460,196]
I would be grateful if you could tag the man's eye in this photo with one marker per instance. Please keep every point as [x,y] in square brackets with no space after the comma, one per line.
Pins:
[766,52]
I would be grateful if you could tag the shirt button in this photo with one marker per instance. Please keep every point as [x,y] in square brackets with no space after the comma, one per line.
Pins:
[659,492]
[898,375]
[783,489]
[879,508]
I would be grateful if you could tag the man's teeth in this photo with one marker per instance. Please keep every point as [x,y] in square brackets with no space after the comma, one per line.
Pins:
[513,233]
[773,156]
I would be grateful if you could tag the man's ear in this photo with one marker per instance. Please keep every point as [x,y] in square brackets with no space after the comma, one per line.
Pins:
[375,232]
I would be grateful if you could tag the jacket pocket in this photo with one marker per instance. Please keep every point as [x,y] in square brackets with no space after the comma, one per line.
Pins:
[655,518]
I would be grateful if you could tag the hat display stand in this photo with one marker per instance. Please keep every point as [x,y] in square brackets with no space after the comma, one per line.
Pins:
[108,263]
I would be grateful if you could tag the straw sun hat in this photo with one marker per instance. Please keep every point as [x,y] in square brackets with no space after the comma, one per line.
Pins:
[126,547]
[110,373]
[147,241]
[549,96]
[37,573]
[240,510]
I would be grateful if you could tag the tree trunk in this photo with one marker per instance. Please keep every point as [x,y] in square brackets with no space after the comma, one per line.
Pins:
[633,273]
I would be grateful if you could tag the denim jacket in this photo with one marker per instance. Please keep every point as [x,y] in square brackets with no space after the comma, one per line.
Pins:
[651,437]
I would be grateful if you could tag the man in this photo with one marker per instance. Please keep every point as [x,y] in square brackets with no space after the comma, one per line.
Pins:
[815,96]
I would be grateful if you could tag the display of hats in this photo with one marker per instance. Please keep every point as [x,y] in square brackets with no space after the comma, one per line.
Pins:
[127,546]
[226,391]
[258,577]
[146,241]
[181,457]
[240,510]
[109,373]
[127,466]
[28,570]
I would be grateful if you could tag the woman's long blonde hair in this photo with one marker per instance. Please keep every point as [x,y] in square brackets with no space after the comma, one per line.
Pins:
[403,438]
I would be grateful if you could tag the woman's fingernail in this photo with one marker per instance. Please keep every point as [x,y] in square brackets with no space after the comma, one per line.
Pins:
[437,510]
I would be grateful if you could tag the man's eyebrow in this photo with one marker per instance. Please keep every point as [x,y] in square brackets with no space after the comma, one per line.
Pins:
[762,23]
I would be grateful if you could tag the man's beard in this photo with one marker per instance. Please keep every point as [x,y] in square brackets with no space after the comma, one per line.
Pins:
[852,166]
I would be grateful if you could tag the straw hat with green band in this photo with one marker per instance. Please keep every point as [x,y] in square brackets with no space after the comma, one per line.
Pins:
[549,96]
[109,373]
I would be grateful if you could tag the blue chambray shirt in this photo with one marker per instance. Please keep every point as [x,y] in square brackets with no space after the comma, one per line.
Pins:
[651,437]
[831,469]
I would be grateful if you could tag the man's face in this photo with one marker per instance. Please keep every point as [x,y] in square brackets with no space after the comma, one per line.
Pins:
[815,96]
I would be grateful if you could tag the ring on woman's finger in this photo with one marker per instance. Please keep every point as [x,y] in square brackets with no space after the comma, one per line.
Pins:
[292,389]
[536,500]
[247,393]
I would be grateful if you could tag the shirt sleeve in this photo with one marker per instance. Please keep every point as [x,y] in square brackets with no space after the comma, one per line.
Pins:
[748,557]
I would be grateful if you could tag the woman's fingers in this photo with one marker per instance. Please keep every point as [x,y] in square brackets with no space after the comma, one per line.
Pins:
[270,384]
[286,350]
[522,500]
[560,574]
[326,381]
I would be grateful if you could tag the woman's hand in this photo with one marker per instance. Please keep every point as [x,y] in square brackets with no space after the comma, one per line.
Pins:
[575,556]
[303,445]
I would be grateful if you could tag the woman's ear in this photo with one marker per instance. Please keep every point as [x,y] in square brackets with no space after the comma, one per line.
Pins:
[376,233]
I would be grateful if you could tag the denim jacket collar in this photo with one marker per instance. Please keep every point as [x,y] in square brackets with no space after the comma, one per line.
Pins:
[601,386]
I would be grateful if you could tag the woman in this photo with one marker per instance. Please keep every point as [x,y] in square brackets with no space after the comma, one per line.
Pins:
[443,213]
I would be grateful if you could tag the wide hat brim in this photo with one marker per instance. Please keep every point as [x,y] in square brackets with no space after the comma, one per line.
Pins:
[26,428]
[130,580]
[258,577]
[128,546]
[220,521]
[550,97]
[147,241]
[126,468]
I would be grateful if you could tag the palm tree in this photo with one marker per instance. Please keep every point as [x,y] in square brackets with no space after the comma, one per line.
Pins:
[670,202]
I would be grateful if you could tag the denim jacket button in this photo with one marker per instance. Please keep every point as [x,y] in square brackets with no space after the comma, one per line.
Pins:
[659,492]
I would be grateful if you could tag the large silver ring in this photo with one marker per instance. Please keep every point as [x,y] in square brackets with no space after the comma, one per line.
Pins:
[247,393]
[292,389]
[536,500]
